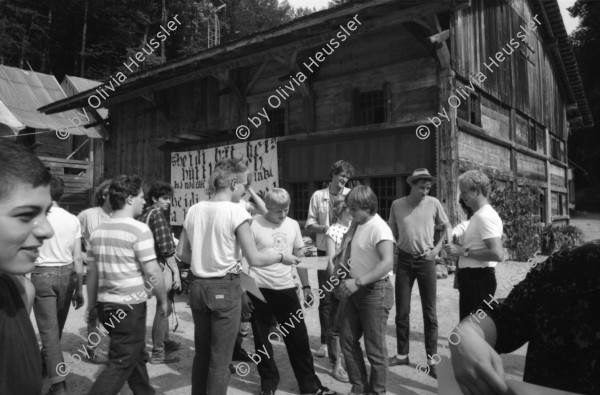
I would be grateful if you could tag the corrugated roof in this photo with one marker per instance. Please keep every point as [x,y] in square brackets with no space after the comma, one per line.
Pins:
[23,92]
[82,85]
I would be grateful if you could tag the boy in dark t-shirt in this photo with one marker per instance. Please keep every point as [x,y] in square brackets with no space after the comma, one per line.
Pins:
[24,202]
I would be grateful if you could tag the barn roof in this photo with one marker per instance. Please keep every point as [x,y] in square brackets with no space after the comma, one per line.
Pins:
[312,28]
[22,92]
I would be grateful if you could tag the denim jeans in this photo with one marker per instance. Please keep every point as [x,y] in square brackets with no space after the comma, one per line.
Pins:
[160,327]
[410,268]
[475,285]
[54,288]
[366,313]
[216,307]
[333,339]
[324,301]
[127,354]
[284,305]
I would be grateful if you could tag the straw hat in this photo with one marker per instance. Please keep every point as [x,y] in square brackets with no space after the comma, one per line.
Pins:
[421,174]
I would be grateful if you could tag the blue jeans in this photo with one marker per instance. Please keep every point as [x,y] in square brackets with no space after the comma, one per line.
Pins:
[216,307]
[127,354]
[54,288]
[160,327]
[366,312]
[411,268]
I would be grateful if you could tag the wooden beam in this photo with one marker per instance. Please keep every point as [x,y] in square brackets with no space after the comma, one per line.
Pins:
[134,86]
[189,136]
[257,75]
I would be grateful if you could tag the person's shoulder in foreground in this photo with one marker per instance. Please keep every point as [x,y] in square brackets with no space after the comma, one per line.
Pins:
[24,203]
[555,309]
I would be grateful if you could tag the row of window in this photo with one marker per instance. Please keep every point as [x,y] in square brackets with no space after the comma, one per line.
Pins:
[368,108]
[386,189]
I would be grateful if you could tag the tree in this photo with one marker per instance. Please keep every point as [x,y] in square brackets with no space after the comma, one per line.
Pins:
[584,149]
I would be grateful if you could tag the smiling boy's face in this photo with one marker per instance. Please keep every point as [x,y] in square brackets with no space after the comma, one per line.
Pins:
[23,227]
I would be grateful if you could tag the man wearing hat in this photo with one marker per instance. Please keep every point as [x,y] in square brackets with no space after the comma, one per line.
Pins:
[413,219]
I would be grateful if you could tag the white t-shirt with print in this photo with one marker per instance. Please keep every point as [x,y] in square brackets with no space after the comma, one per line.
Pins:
[364,256]
[484,224]
[279,238]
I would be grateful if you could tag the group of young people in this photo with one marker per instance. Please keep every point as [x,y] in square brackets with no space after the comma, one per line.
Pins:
[130,258]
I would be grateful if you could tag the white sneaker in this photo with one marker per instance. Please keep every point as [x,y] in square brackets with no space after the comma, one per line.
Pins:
[322,351]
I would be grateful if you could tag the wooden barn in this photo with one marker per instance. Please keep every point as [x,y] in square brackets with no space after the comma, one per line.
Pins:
[390,85]
[57,139]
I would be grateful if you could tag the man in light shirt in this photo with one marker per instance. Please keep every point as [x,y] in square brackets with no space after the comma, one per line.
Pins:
[123,254]
[482,247]
[57,278]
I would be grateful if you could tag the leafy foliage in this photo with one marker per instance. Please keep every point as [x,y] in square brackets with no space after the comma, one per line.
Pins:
[517,209]
[584,149]
[555,238]
[49,35]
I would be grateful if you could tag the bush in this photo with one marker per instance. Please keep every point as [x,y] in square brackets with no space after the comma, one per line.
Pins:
[555,238]
[516,208]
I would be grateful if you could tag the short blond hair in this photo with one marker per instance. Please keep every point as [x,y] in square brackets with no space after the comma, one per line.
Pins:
[277,197]
[475,180]
[225,172]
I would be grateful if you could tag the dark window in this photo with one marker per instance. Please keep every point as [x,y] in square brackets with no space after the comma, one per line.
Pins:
[385,189]
[276,125]
[474,109]
[531,137]
[556,148]
[370,107]
[301,193]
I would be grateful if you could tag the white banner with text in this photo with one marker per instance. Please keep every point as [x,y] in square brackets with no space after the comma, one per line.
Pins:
[191,170]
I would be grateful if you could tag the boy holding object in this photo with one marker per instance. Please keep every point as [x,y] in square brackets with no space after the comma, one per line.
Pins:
[213,233]
[369,294]
[274,231]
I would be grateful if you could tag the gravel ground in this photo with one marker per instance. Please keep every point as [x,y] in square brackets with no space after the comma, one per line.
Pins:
[176,378]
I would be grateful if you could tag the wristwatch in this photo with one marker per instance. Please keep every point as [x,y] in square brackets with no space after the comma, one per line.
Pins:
[358,282]
[466,253]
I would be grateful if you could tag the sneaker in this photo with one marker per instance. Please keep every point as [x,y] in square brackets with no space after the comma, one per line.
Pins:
[432,370]
[172,346]
[96,356]
[242,356]
[325,391]
[58,389]
[340,374]
[322,351]
[395,361]
[165,358]
[244,329]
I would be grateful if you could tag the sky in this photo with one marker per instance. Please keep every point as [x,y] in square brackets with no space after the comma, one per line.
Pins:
[570,23]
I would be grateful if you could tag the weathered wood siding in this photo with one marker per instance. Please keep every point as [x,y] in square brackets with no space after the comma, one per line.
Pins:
[518,98]
[390,59]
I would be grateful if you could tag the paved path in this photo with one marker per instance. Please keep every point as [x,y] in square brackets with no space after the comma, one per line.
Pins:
[589,223]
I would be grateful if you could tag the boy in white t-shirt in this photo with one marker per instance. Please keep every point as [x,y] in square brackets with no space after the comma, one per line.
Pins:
[369,293]
[275,232]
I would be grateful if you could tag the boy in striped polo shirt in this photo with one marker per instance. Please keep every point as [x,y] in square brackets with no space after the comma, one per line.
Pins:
[123,253]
